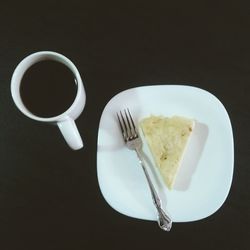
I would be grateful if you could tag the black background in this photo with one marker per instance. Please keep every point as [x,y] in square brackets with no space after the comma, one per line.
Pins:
[49,195]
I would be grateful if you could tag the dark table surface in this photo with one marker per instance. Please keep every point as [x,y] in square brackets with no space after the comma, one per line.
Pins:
[49,194]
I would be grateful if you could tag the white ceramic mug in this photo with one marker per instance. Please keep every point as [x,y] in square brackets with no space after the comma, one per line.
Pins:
[66,120]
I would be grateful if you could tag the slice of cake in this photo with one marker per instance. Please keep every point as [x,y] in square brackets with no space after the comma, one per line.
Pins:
[167,139]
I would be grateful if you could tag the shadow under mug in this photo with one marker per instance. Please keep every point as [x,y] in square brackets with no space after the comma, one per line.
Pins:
[66,120]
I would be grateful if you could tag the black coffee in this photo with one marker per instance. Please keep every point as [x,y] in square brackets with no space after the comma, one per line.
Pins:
[48,88]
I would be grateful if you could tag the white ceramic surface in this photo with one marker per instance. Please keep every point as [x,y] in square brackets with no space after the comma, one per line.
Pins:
[65,121]
[205,177]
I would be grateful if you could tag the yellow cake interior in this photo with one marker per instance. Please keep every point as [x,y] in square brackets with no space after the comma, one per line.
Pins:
[167,138]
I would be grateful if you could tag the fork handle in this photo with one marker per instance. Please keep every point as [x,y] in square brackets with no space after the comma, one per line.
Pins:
[164,220]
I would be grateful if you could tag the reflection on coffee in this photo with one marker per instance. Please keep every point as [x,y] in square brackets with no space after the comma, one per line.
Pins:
[48,88]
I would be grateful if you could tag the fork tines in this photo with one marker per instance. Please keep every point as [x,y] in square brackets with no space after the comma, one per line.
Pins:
[127,125]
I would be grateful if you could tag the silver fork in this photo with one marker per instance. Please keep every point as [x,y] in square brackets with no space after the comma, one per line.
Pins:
[133,141]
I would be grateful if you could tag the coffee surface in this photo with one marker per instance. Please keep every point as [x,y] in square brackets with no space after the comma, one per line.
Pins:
[48,88]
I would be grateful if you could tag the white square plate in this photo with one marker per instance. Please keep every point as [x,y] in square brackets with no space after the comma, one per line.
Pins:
[205,177]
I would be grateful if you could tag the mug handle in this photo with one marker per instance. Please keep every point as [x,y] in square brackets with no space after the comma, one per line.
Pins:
[70,133]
